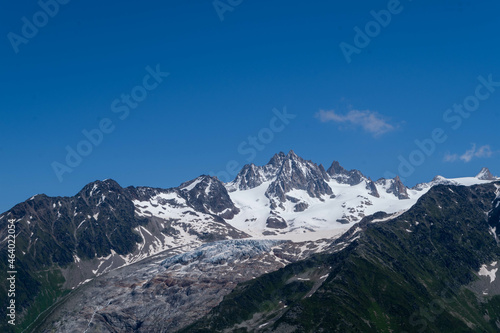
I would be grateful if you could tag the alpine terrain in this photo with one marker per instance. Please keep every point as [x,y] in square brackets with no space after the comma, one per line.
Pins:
[290,246]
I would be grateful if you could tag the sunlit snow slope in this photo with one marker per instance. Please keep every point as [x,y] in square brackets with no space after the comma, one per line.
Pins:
[338,200]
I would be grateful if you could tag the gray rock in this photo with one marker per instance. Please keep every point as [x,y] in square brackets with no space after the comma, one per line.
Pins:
[276,222]
[300,207]
[341,175]
[296,173]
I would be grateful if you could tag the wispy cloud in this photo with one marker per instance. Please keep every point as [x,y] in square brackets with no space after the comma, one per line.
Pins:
[370,121]
[474,152]
[450,157]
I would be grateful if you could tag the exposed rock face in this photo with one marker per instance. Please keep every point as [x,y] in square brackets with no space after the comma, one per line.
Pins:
[276,161]
[291,184]
[208,195]
[399,189]
[444,248]
[440,180]
[292,199]
[300,207]
[336,169]
[286,173]
[106,226]
[252,176]
[276,222]
[485,174]
[341,175]
[394,186]
[79,225]
[296,173]
[370,185]
[249,177]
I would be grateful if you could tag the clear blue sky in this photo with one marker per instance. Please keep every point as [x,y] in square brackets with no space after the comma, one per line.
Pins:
[225,79]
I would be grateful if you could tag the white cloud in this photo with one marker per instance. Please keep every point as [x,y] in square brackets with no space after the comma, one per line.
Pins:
[484,151]
[450,157]
[370,121]
[474,152]
[469,154]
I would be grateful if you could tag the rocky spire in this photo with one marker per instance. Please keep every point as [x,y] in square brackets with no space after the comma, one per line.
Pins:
[341,175]
[297,173]
[485,174]
[370,185]
[398,189]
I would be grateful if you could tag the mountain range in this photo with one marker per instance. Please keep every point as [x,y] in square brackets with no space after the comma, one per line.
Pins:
[262,252]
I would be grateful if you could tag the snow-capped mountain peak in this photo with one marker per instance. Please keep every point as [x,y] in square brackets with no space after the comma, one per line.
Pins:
[296,173]
[249,177]
[288,198]
[286,172]
[485,174]
[208,194]
[100,187]
[293,195]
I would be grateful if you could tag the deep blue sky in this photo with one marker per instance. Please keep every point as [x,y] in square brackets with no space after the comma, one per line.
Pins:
[225,79]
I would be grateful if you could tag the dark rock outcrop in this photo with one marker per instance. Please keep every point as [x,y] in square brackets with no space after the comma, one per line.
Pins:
[341,175]
[297,173]
[370,185]
[208,195]
[276,222]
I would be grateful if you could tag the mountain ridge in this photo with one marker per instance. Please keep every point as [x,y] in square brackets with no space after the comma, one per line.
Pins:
[422,271]
[105,226]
